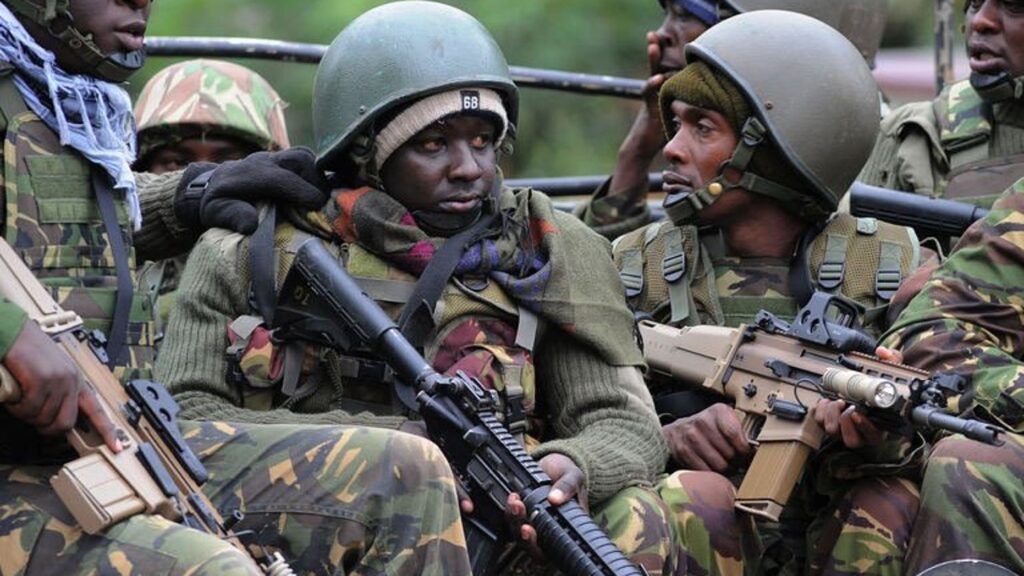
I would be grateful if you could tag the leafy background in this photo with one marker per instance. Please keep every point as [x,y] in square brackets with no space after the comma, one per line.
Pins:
[559,134]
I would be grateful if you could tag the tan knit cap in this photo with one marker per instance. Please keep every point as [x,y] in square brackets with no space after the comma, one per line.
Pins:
[424,112]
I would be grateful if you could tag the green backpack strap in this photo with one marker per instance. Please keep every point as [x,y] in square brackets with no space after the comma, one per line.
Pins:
[632,272]
[888,275]
[673,270]
[832,269]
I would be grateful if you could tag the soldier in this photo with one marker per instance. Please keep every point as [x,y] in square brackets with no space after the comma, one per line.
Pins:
[749,158]
[968,320]
[533,308]
[968,143]
[71,205]
[619,205]
[200,111]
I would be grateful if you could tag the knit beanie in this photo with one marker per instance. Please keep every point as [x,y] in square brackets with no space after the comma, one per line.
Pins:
[699,85]
[426,111]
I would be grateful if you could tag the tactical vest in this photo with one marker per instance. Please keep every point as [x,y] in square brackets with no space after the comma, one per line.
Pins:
[670,272]
[53,221]
[478,330]
[965,136]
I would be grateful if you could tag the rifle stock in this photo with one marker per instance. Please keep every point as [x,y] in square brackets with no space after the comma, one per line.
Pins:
[321,303]
[774,375]
[155,472]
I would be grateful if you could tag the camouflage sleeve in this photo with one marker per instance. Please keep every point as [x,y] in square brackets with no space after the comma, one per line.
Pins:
[602,416]
[192,362]
[612,216]
[161,236]
[12,319]
[969,318]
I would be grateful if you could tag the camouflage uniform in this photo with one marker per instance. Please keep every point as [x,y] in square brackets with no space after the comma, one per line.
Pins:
[967,319]
[52,222]
[196,99]
[955,146]
[480,330]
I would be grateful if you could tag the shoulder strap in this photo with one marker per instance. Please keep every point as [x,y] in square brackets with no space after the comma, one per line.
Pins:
[123,301]
[262,260]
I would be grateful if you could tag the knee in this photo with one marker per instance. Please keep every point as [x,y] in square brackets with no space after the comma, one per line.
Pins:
[710,489]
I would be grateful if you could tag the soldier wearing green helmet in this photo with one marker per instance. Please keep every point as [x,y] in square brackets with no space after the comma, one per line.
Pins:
[200,111]
[751,182]
[413,106]
[620,204]
[78,216]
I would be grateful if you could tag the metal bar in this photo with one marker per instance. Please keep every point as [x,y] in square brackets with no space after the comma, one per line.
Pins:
[574,185]
[263,49]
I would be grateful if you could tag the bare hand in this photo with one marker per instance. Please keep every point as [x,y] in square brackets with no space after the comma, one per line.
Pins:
[566,482]
[846,422]
[709,440]
[889,355]
[52,391]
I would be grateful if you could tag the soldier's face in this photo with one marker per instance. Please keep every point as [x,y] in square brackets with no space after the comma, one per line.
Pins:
[679,29]
[207,149]
[115,26]
[448,166]
[702,140]
[995,36]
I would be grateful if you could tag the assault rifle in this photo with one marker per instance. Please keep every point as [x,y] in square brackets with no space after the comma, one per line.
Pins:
[155,472]
[774,373]
[928,216]
[321,303]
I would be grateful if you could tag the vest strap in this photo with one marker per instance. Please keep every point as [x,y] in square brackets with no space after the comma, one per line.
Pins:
[632,272]
[123,302]
[833,266]
[888,276]
[673,269]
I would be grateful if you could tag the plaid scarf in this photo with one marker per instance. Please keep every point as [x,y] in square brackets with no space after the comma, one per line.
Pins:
[547,262]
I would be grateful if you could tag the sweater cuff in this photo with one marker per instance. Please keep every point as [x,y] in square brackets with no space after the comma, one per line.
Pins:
[196,405]
[12,320]
[161,236]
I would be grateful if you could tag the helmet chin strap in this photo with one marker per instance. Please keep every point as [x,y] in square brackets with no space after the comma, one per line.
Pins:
[684,207]
[994,88]
[55,17]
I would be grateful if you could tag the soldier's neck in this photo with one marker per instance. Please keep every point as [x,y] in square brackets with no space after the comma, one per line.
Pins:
[765,231]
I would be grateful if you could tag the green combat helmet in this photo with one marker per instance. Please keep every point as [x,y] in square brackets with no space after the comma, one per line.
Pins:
[391,55]
[822,121]
[53,15]
[209,97]
[861,21]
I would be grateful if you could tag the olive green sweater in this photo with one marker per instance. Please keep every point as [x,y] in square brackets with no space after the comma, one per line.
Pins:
[602,415]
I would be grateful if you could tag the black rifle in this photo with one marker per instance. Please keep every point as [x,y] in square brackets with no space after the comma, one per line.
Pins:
[321,303]
[928,216]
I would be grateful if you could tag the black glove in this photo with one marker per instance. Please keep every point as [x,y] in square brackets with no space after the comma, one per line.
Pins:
[224,195]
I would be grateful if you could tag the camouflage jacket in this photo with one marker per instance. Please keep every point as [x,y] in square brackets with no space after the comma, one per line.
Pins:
[591,411]
[955,146]
[969,319]
[51,219]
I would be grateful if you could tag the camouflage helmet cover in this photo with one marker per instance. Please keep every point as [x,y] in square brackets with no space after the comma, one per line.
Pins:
[395,54]
[825,121]
[209,97]
[861,21]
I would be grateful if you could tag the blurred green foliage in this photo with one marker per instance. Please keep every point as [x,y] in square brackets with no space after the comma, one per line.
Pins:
[559,134]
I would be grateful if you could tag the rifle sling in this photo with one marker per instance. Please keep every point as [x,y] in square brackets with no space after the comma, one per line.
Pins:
[263,290]
[122,307]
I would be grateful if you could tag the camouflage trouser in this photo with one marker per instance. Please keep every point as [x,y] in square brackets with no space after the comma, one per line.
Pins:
[972,505]
[866,532]
[717,539]
[331,499]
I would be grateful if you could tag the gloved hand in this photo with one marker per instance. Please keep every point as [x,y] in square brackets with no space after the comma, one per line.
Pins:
[224,195]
